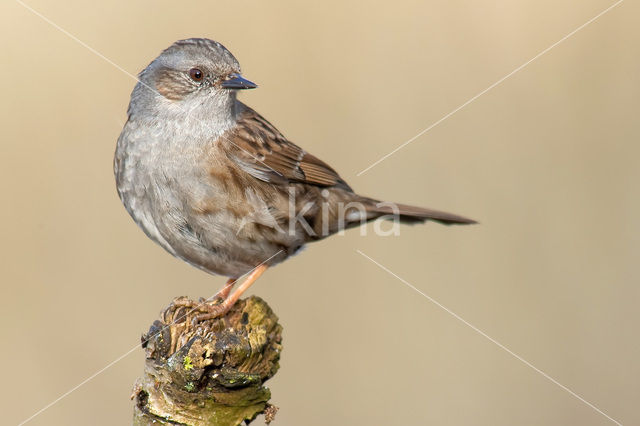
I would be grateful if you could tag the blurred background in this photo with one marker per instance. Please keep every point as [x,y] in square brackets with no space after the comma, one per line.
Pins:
[547,161]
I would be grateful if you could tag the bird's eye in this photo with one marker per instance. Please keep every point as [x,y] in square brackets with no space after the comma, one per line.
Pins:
[196,74]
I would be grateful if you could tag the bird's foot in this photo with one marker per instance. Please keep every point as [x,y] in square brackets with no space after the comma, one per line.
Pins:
[211,311]
[201,310]
[222,301]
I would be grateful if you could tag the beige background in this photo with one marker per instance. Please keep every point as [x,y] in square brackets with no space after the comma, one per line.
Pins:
[547,161]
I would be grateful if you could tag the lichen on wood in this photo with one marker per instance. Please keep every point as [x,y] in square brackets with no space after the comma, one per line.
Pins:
[212,373]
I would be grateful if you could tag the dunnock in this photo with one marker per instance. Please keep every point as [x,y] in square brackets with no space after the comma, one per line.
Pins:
[217,185]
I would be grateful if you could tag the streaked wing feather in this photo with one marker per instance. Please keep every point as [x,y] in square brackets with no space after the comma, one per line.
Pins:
[263,152]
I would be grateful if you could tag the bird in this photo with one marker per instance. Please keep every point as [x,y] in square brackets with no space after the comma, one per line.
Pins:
[217,185]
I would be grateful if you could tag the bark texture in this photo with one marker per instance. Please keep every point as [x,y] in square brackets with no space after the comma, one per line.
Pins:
[212,373]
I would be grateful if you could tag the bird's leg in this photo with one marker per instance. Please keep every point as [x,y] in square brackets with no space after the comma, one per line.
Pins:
[188,307]
[214,311]
[224,292]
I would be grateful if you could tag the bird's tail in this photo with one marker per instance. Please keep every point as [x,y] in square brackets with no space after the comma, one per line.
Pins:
[413,214]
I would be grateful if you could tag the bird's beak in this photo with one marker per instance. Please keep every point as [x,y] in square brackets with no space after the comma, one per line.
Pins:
[235,81]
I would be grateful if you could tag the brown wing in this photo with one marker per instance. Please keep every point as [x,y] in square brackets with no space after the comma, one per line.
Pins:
[263,152]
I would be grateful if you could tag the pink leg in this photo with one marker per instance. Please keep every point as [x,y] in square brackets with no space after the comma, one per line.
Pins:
[224,292]
[215,311]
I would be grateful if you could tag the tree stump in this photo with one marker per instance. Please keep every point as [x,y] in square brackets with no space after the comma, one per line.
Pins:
[211,373]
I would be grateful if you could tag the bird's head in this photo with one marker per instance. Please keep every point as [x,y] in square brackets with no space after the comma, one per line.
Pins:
[190,74]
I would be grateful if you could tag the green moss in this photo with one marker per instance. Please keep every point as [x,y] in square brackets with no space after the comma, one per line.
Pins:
[187,363]
[213,376]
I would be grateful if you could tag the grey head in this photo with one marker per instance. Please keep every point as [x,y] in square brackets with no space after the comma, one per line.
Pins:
[193,76]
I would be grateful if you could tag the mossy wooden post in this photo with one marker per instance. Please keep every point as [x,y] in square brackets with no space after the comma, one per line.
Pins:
[212,373]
